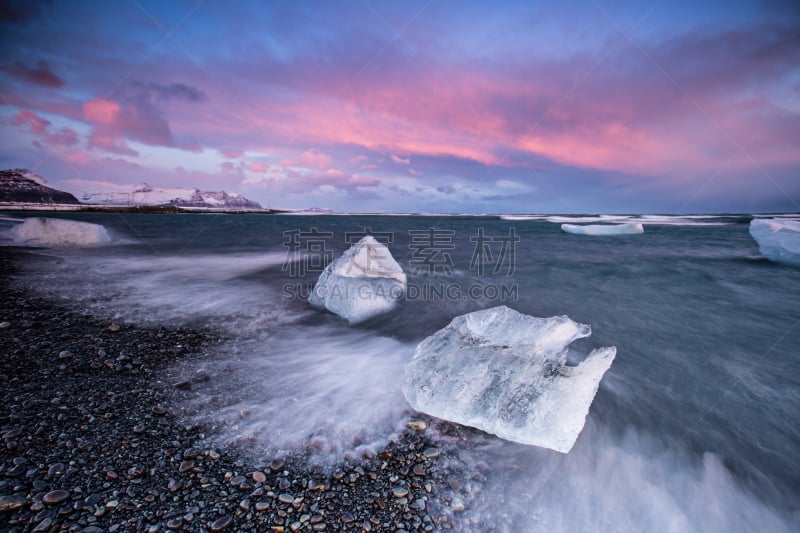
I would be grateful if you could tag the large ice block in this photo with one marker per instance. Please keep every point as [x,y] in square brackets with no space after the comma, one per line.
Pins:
[38,231]
[603,229]
[505,373]
[364,282]
[778,240]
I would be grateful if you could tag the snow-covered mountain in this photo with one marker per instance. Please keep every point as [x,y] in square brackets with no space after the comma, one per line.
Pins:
[144,194]
[20,185]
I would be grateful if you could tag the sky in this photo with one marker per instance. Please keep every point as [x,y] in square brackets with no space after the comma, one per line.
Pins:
[591,106]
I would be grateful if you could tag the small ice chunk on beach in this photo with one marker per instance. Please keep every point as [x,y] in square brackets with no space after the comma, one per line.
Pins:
[778,240]
[505,373]
[59,232]
[364,282]
[603,229]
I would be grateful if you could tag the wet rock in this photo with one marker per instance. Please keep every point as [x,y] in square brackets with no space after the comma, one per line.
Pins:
[431,453]
[399,492]
[55,497]
[9,503]
[221,523]
[55,470]
[44,525]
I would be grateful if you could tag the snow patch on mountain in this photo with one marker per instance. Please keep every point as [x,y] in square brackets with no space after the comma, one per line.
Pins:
[146,195]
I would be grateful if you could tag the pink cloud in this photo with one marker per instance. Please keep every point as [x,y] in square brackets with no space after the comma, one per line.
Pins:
[102,111]
[312,158]
[257,167]
[232,153]
[137,116]
[41,128]
[115,145]
[292,181]
[413,172]
[36,123]
[400,161]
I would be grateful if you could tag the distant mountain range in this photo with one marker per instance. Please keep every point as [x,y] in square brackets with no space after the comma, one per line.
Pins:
[24,186]
[20,185]
[144,194]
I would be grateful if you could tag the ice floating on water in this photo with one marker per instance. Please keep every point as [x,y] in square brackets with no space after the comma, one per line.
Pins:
[364,282]
[603,229]
[504,372]
[59,232]
[778,240]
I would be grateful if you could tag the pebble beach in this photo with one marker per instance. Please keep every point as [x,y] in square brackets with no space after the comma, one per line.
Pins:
[92,440]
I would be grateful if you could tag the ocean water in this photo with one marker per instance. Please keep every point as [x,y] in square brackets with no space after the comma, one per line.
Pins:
[696,426]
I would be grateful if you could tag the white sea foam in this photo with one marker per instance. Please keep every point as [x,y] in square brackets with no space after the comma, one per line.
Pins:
[606,483]
[522,217]
[320,391]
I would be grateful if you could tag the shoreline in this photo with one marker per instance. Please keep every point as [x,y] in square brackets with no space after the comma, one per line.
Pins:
[91,441]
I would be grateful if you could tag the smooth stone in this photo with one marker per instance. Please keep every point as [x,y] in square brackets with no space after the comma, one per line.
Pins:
[55,469]
[399,492]
[64,354]
[276,464]
[159,411]
[262,506]
[9,503]
[44,525]
[55,497]
[285,498]
[417,425]
[184,385]
[175,523]
[431,453]
[221,523]
[185,466]
[5,325]
[259,477]
[419,470]
[113,327]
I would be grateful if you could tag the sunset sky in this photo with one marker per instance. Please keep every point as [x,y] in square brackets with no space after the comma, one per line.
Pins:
[515,107]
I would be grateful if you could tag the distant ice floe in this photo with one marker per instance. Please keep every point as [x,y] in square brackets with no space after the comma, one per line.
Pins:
[58,232]
[778,239]
[364,282]
[603,229]
[659,220]
[504,372]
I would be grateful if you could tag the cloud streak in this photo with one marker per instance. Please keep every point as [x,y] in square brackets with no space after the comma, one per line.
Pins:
[324,101]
